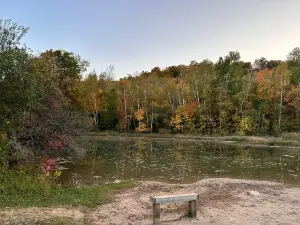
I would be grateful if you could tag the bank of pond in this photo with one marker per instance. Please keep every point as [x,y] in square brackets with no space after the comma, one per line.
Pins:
[110,165]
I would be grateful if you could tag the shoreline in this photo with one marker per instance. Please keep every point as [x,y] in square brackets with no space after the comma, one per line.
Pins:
[222,201]
[248,141]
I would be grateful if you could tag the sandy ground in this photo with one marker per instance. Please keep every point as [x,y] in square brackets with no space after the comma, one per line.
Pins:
[222,201]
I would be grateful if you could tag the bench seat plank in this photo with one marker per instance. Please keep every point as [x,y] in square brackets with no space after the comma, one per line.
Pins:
[174,198]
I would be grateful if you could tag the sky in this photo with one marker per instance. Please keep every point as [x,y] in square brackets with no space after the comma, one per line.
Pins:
[137,35]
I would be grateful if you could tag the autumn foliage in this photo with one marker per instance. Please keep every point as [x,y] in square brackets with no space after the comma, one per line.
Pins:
[47,98]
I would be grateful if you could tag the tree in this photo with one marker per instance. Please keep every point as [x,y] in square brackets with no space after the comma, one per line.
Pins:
[282,79]
[35,109]
[68,69]
[15,87]
[293,101]
[109,112]
[273,64]
[265,97]
[263,63]
[91,95]
[156,71]
[10,34]
[142,127]
[293,60]
[293,57]
[260,63]
[226,68]
[15,80]
[272,86]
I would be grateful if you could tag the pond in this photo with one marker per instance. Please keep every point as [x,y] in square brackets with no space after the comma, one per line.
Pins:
[180,161]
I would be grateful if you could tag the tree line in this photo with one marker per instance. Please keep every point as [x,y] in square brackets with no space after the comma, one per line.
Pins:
[227,97]
[46,98]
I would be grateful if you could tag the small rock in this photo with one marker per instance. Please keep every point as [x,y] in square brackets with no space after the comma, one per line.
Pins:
[253,193]
[117,181]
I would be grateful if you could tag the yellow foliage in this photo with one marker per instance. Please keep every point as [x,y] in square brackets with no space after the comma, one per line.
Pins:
[181,122]
[99,92]
[3,136]
[142,128]
[57,173]
[243,124]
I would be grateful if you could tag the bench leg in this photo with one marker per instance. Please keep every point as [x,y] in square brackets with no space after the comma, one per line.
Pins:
[192,209]
[156,214]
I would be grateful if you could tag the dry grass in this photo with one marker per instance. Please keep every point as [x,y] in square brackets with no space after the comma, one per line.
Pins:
[287,139]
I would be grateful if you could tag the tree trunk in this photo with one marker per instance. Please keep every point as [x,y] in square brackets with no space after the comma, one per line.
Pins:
[297,121]
[280,111]
[181,87]
[171,103]
[125,111]
[259,119]
[146,109]
[220,121]
[95,110]
[210,125]
[281,97]
[151,118]
[138,101]
[197,92]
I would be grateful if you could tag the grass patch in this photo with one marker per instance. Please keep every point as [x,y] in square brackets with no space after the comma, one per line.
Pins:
[287,139]
[256,139]
[22,190]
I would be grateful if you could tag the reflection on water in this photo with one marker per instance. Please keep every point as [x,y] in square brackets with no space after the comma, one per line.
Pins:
[181,162]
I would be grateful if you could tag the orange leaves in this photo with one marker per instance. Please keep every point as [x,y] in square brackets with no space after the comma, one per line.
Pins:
[265,88]
[263,76]
[184,118]
[139,114]
[177,123]
[190,108]
[272,82]
[123,82]
[293,98]
[187,110]
[181,123]
[142,128]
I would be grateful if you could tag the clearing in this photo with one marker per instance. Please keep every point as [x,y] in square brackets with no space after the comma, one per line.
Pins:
[222,201]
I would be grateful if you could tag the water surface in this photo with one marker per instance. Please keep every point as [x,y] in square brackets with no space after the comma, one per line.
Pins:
[180,161]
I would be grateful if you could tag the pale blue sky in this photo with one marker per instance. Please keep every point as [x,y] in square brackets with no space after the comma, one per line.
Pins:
[136,35]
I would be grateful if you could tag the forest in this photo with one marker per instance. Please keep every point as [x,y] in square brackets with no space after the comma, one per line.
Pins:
[47,98]
[226,97]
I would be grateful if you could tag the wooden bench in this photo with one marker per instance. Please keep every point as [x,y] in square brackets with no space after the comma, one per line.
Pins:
[157,200]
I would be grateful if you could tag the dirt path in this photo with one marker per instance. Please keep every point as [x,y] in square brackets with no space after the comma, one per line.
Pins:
[223,201]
